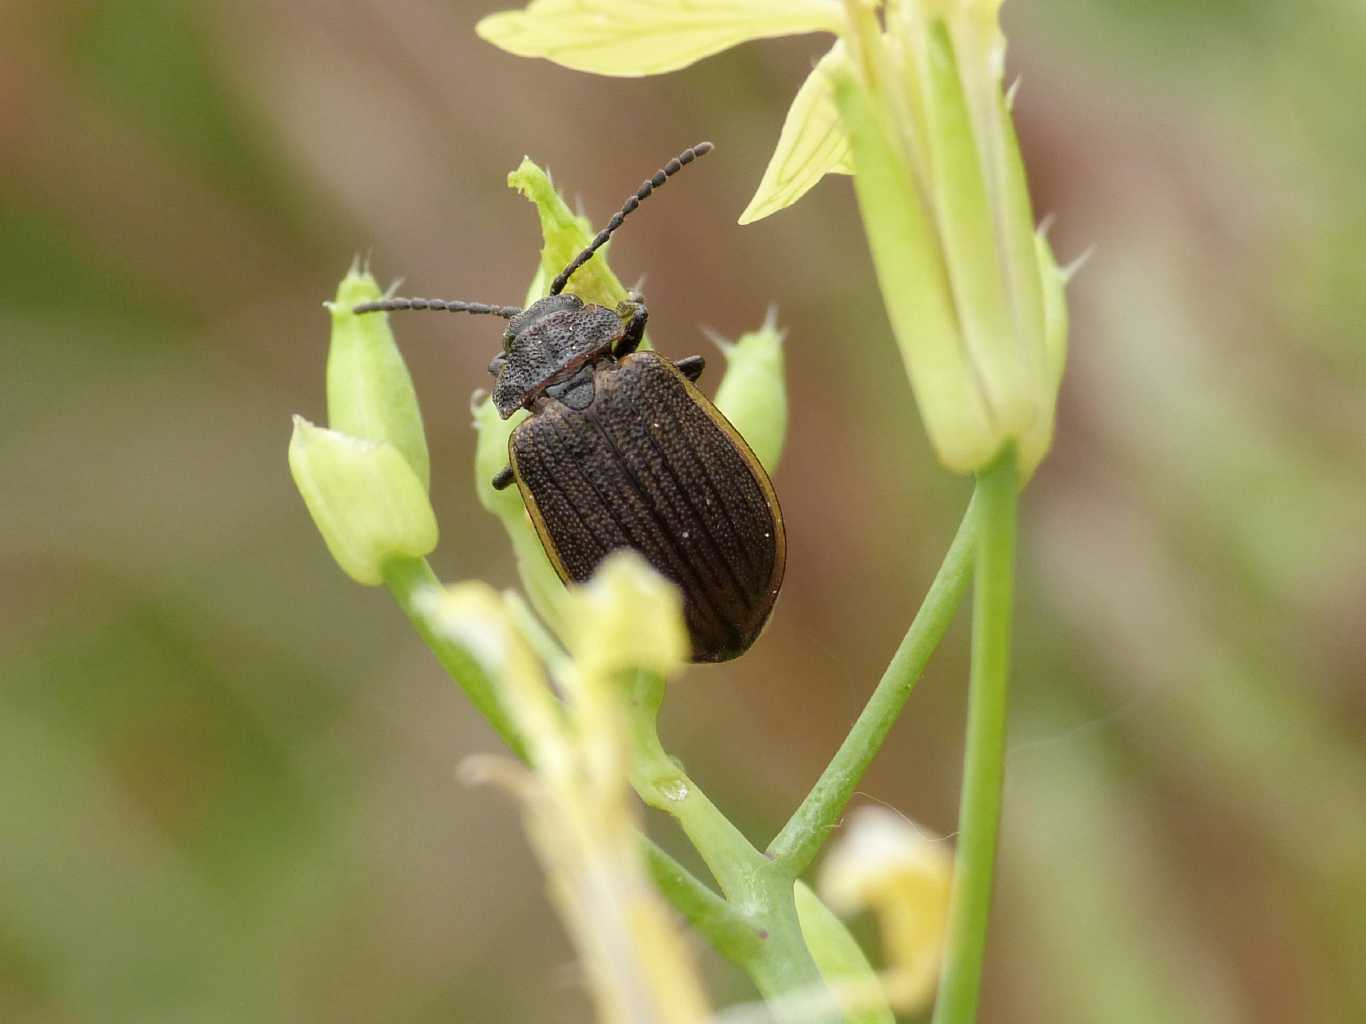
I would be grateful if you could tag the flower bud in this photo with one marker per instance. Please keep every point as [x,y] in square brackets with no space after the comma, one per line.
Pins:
[753,391]
[539,578]
[884,863]
[365,498]
[626,617]
[566,235]
[945,205]
[369,392]
[1054,281]
[577,808]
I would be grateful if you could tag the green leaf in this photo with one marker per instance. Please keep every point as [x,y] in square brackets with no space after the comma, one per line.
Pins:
[812,144]
[648,37]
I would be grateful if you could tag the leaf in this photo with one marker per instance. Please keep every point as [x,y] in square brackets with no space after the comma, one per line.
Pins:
[631,38]
[813,142]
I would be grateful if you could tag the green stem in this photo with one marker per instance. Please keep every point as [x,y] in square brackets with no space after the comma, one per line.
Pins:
[661,783]
[984,757]
[800,839]
[410,580]
[730,932]
[780,964]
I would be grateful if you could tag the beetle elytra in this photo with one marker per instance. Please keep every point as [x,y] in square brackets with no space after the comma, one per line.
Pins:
[622,451]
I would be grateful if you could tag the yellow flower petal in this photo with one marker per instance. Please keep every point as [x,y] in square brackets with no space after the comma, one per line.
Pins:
[812,144]
[648,37]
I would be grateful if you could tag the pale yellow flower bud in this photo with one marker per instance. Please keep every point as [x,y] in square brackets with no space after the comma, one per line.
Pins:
[884,863]
[946,208]
[364,497]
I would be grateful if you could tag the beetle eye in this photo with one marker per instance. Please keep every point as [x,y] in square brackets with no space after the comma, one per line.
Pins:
[496,363]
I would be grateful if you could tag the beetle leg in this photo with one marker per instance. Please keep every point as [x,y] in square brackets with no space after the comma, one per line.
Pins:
[635,328]
[503,479]
[691,367]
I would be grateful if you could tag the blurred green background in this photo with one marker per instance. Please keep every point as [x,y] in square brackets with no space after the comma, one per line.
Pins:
[226,772]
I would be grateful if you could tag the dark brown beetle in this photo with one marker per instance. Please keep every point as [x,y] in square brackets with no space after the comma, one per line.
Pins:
[622,451]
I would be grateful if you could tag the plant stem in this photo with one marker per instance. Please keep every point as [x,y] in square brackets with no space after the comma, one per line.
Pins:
[984,757]
[800,839]
[730,932]
[409,579]
[662,784]
[780,964]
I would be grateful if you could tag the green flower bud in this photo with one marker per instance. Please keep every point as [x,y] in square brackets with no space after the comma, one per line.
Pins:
[366,500]
[945,205]
[753,392]
[539,578]
[369,392]
[566,235]
[1054,281]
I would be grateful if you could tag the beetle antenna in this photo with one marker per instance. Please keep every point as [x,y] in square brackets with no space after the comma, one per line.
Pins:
[442,305]
[662,175]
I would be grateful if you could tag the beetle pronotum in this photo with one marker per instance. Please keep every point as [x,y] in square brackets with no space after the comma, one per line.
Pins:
[622,451]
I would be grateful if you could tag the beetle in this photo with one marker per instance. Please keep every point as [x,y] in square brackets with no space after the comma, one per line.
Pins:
[621,450]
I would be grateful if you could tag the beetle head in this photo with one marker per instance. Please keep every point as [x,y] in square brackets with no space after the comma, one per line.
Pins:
[554,335]
[560,333]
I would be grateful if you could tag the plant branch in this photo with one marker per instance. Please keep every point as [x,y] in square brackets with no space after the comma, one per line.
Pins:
[780,964]
[984,757]
[730,932]
[733,861]
[800,839]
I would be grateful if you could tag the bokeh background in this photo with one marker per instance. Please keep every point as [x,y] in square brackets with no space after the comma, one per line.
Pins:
[226,772]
